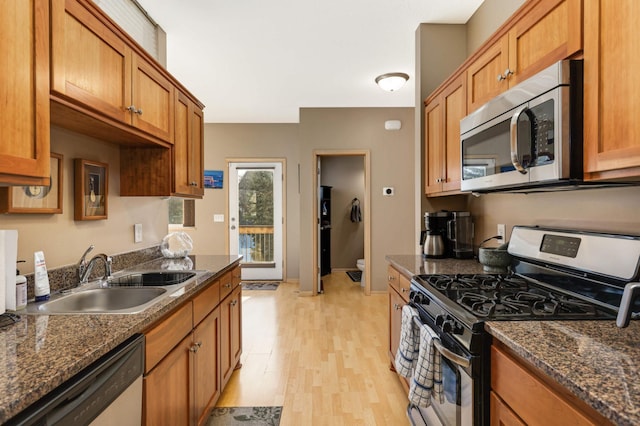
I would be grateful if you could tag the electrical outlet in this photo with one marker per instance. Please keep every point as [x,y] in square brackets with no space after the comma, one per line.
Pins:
[502,231]
[137,233]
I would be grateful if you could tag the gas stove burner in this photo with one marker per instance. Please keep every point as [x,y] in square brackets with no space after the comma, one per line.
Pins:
[475,281]
[493,306]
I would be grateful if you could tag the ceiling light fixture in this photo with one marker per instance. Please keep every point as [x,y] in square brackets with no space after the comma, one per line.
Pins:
[392,81]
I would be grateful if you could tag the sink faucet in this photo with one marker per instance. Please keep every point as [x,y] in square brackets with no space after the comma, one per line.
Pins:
[85,268]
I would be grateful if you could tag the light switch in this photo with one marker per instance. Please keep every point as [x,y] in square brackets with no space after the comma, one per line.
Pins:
[137,233]
[218,218]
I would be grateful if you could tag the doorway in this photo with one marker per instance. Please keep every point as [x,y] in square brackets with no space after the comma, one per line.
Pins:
[256,219]
[341,208]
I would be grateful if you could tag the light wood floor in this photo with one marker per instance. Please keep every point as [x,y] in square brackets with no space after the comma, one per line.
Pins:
[323,359]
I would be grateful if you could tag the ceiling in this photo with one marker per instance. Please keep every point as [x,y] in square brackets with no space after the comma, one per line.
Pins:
[258,61]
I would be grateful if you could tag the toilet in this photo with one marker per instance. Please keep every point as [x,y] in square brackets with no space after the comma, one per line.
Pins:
[360,265]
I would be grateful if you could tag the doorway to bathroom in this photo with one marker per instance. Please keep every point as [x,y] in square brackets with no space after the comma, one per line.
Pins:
[342,207]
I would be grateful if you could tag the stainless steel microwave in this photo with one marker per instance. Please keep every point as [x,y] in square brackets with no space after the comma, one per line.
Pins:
[529,138]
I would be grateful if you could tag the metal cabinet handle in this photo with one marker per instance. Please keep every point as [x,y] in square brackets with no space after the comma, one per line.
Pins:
[133,109]
[631,290]
[514,139]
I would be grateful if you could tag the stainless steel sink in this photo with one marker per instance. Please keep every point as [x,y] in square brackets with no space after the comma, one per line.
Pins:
[153,279]
[101,300]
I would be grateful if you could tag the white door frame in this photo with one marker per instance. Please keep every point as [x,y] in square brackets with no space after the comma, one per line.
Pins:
[366,213]
[280,225]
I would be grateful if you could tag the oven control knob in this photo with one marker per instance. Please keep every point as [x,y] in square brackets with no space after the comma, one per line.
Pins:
[458,329]
[420,299]
[440,320]
[447,326]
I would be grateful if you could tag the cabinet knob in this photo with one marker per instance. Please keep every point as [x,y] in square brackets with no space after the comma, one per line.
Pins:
[404,290]
[195,347]
[501,77]
[396,306]
[391,278]
[193,184]
[507,73]
[227,285]
[138,111]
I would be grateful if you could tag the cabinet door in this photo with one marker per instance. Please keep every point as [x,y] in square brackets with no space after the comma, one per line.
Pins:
[90,64]
[455,108]
[167,392]
[231,334]
[549,32]
[501,414]
[206,337]
[188,148]
[24,92]
[395,321]
[486,75]
[611,90]
[434,155]
[153,99]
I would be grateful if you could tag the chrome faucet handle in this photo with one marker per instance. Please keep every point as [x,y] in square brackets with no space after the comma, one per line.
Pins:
[82,263]
[631,291]
[107,267]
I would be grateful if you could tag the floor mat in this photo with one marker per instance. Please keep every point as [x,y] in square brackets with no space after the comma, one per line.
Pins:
[245,416]
[267,285]
[355,276]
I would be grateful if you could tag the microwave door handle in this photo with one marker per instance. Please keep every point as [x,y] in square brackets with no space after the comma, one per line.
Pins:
[514,139]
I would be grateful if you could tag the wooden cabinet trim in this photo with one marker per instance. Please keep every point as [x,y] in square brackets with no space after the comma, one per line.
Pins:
[206,301]
[163,337]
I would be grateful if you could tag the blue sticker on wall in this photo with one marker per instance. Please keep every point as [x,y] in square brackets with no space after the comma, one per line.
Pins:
[213,178]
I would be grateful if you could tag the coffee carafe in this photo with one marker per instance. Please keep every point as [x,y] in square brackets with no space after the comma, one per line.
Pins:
[460,235]
[435,245]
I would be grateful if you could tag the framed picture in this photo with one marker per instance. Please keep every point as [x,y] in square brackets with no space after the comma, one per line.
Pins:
[213,178]
[35,199]
[91,189]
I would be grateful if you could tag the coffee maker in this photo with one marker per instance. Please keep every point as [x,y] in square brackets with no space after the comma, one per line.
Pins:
[435,241]
[460,232]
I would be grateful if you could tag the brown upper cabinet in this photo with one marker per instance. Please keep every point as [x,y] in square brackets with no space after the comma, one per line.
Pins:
[443,112]
[188,148]
[540,33]
[96,71]
[24,91]
[611,90]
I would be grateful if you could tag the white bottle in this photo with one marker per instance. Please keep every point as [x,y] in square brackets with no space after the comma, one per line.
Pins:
[21,291]
[41,277]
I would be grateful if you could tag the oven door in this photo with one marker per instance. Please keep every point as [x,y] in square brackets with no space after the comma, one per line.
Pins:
[457,406]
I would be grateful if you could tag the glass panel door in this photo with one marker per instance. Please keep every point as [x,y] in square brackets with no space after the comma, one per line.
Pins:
[255,218]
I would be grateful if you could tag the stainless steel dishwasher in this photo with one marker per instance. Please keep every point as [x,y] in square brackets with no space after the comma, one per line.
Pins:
[109,391]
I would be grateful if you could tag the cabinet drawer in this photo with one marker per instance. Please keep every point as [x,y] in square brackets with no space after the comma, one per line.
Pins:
[405,285]
[206,302]
[226,285]
[166,335]
[518,387]
[393,278]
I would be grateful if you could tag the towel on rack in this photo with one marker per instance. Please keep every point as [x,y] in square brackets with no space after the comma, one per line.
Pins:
[356,213]
[407,353]
[427,376]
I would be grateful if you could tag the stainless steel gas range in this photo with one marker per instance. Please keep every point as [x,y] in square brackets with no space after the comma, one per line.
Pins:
[555,275]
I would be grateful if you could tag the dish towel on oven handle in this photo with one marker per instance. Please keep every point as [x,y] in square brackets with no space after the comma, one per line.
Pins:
[407,353]
[427,376]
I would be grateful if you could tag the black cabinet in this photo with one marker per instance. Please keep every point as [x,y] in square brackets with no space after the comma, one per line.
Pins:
[325,230]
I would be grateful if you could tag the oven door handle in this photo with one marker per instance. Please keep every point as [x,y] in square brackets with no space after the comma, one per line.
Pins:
[455,358]
[514,139]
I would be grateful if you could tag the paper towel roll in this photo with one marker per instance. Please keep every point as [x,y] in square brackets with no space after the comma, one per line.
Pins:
[8,258]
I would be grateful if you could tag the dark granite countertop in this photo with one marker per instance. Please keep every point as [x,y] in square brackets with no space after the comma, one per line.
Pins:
[40,352]
[410,265]
[595,360]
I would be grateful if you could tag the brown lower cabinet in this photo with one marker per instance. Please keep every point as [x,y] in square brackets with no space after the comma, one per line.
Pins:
[521,395]
[186,355]
[231,346]
[398,287]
